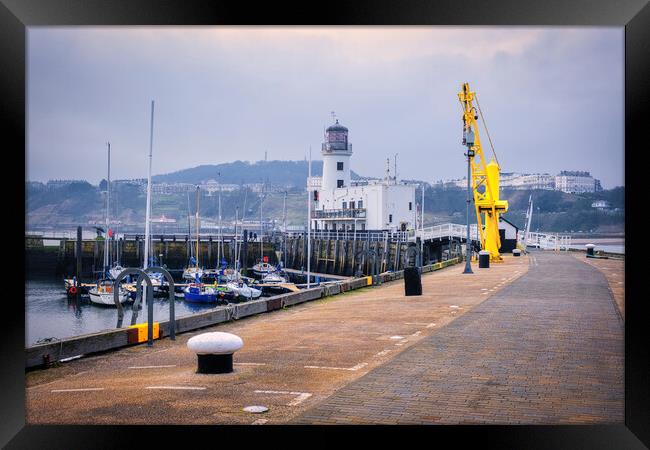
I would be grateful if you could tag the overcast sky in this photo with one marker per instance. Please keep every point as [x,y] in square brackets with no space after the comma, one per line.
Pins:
[552,97]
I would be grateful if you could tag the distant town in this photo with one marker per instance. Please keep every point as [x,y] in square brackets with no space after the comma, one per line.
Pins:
[571,182]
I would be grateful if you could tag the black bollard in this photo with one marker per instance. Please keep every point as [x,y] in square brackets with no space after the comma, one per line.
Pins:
[483,259]
[412,281]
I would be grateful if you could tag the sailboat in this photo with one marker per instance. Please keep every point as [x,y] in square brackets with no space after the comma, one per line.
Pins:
[156,278]
[117,268]
[102,293]
[263,267]
[242,291]
[198,292]
[190,273]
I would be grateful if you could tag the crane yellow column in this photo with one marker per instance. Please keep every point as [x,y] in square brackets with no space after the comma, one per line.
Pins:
[485,179]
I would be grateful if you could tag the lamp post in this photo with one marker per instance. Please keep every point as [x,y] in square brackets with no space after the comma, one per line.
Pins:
[469,141]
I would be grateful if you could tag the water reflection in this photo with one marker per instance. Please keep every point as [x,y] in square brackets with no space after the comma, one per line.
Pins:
[49,313]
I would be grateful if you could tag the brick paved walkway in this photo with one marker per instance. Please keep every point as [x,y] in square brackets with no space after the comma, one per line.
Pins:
[547,349]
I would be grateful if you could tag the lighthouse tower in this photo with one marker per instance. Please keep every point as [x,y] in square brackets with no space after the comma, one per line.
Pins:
[336,153]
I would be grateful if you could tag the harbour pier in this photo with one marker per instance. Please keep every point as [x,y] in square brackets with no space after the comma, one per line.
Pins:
[334,253]
[470,354]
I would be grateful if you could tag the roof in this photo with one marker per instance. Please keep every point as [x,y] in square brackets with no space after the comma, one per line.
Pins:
[336,127]
[507,221]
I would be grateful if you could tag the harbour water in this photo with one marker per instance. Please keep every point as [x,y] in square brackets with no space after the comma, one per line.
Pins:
[50,314]
[606,245]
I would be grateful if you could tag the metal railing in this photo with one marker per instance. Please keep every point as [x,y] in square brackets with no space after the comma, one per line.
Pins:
[356,213]
[330,147]
[392,236]
[547,241]
[51,234]
[445,230]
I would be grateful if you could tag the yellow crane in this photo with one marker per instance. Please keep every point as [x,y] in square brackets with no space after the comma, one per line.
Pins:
[484,178]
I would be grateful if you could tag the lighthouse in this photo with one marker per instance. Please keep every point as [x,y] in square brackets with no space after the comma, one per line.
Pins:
[340,204]
[336,151]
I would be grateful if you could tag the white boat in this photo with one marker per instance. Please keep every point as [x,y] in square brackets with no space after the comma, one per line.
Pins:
[103,294]
[262,269]
[242,290]
[274,277]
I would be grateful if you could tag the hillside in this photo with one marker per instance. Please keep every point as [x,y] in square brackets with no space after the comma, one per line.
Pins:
[81,202]
[282,173]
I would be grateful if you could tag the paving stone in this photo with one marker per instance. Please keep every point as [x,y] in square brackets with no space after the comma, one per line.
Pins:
[547,348]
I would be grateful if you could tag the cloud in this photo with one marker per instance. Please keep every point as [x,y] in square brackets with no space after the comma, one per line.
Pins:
[552,96]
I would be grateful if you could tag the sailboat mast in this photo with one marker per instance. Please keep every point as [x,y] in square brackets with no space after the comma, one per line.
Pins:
[243,213]
[234,253]
[309,223]
[189,223]
[108,202]
[148,212]
[220,246]
[261,227]
[197,227]
[284,228]
[529,216]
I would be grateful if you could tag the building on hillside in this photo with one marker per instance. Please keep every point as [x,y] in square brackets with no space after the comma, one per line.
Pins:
[602,205]
[340,204]
[172,188]
[56,184]
[528,181]
[212,187]
[575,182]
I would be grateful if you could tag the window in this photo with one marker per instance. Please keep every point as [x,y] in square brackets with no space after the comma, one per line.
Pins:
[351,205]
[410,206]
[339,183]
[390,218]
[363,227]
[360,204]
[339,165]
[345,205]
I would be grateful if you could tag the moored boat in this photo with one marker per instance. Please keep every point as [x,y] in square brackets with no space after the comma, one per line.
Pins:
[243,291]
[103,294]
[274,277]
[202,293]
[262,269]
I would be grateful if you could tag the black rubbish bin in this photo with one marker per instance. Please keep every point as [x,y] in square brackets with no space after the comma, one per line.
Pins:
[483,259]
[590,249]
[412,281]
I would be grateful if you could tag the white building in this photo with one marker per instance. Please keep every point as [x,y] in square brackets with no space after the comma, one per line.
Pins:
[339,204]
[575,182]
[601,204]
[212,187]
[529,181]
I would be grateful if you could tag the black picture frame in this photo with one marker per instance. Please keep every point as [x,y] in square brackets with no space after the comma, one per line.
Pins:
[634,15]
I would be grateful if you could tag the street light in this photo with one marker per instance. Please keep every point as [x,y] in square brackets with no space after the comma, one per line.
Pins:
[469,141]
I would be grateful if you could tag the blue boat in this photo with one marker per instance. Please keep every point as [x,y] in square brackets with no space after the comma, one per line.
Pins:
[201,293]
[198,293]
